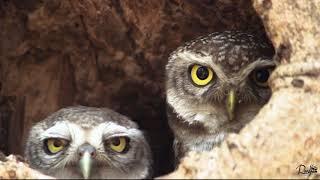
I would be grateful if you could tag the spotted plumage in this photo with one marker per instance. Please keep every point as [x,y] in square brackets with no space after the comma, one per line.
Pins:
[216,84]
[87,142]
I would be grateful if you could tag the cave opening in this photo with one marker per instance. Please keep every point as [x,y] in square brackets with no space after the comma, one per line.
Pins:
[56,54]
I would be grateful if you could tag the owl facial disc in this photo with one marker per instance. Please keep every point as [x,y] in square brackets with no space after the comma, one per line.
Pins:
[81,142]
[215,85]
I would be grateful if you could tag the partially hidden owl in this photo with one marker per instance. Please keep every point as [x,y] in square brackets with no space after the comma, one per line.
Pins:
[216,84]
[86,142]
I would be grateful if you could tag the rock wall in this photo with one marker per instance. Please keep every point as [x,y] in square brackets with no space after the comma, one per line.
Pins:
[110,53]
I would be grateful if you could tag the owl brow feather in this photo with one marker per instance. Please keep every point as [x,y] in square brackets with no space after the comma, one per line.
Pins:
[105,158]
[216,96]
[58,165]
[62,163]
[256,64]
[249,96]
[109,162]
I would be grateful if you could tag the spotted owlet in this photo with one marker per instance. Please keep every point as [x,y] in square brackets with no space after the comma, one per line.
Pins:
[86,142]
[215,85]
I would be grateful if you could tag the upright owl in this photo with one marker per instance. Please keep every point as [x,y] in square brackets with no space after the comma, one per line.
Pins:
[215,85]
[86,142]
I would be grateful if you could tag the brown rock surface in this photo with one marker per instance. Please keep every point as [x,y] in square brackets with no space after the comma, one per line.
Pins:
[100,53]
[285,134]
[11,168]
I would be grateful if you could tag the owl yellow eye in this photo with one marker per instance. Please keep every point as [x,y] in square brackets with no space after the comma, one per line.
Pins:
[55,145]
[201,75]
[261,76]
[119,144]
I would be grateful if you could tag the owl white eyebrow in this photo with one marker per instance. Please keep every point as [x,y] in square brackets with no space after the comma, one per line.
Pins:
[110,129]
[129,132]
[259,63]
[59,130]
[193,57]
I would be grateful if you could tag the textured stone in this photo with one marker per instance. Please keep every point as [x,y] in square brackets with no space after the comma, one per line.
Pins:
[12,168]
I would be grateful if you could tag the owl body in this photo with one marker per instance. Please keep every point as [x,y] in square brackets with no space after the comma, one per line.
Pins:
[215,85]
[85,142]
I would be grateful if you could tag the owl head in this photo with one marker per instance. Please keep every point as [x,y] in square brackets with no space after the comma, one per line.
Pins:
[85,142]
[220,80]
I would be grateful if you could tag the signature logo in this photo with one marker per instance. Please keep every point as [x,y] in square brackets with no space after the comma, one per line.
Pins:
[302,169]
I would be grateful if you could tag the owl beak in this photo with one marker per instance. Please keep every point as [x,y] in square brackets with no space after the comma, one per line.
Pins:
[231,103]
[85,164]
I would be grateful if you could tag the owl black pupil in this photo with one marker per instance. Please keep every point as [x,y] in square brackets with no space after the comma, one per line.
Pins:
[57,143]
[202,73]
[115,141]
[262,75]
